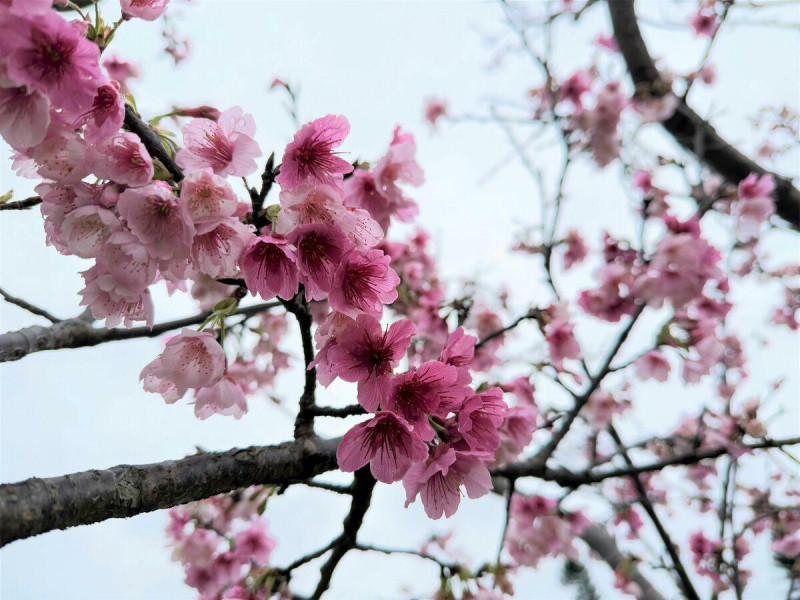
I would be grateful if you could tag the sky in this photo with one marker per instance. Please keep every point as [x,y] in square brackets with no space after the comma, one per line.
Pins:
[70,411]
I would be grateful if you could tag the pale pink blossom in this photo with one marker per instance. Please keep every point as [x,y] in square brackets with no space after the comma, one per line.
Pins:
[225,397]
[149,10]
[480,418]
[399,165]
[652,365]
[435,109]
[255,543]
[102,293]
[124,159]
[208,197]
[268,266]
[386,442]
[226,146]
[86,229]
[310,157]
[24,116]
[217,247]
[561,341]
[363,283]
[61,156]
[120,71]
[159,220]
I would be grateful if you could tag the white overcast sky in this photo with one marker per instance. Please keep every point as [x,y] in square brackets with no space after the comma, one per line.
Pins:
[375,63]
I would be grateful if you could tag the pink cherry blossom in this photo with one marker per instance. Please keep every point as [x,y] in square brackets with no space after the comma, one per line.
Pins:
[61,156]
[363,283]
[308,204]
[120,71]
[51,55]
[128,262]
[106,114]
[226,146]
[386,442]
[439,479]
[574,87]
[576,251]
[310,158]
[704,24]
[653,364]
[366,354]
[217,247]
[192,359]
[516,432]
[480,418]
[319,250]
[124,159]
[435,109]
[149,10]
[159,220]
[208,197]
[24,116]
[268,266]
[561,341]
[419,392]
[85,230]
[111,302]
[255,543]
[399,165]
[225,397]
[459,352]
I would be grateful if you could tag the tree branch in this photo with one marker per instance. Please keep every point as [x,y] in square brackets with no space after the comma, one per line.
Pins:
[79,333]
[25,305]
[38,505]
[21,204]
[687,127]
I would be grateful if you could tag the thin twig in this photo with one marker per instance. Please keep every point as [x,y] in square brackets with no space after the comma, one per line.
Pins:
[25,305]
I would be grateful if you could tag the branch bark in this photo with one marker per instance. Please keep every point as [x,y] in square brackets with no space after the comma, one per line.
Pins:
[79,333]
[39,505]
[687,127]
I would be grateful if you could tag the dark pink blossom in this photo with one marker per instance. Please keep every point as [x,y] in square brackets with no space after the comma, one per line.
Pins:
[386,442]
[268,266]
[439,479]
[561,341]
[459,352]
[226,146]
[319,250]
[51,55]
[420,392]
[366,354]
[574,87]
[106,115]
[363,283]
[310,158]
[704,24]
[576,251]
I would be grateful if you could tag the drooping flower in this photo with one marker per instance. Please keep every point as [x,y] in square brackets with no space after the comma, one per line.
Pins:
[111,302]
[106,115]
[124,159]
[24,116]
[127,261]
[386,442]
[309,158]
[159,220]
[319,250]
[51,55]
[191,359]
[363,283]
[255,543]
[217,247]
[480,418]
[308,204]
[459,352]
[225,397]
[652,364]
[399,165]
[208,197]
[149,10]
[268,266]
[420,392]
[226,146]
[561,341]
[364,353]
[439,479]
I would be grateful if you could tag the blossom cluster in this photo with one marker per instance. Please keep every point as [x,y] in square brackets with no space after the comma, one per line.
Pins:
[224,545]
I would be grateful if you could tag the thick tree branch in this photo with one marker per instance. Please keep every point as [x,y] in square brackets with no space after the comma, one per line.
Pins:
[363,484]
[39,505]
[79,333]
[687,127]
